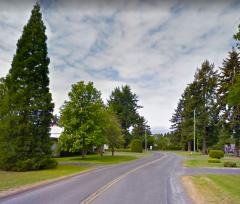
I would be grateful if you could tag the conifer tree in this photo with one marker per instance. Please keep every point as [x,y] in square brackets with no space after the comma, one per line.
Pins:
[237,37]
[189,104]
[201,96]
[227,78]
[125,105]
[138,131]
[3,88]
[27,107]
[205,98]
[176,120]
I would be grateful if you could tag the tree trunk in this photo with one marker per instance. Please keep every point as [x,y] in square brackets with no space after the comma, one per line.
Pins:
[83,154]
[189,146]
[236,151]
[100,150]
[204,144]
[112,151]
[83,148]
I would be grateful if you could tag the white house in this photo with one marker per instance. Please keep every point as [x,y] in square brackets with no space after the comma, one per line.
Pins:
[55,131]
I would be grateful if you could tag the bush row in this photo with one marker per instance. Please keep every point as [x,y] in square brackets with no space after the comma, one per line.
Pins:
[31,164]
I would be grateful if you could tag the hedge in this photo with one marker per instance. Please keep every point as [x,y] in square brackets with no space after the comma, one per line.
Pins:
[214,160]
[216,154]
[229,164]
[136,145]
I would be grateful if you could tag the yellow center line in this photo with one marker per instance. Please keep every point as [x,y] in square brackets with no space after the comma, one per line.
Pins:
[101,190]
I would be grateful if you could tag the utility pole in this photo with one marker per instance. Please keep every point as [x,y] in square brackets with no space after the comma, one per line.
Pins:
[145,140]
[194,130]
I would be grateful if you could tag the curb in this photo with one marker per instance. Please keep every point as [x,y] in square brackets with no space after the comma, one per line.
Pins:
[21,189]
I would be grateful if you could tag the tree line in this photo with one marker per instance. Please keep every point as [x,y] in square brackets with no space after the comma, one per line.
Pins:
[214,96]
[89,123]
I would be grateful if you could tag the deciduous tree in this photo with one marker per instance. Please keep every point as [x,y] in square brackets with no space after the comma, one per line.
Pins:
[81,118]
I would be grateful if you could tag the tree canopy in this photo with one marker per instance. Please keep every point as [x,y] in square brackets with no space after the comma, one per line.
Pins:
[125,105]
[81,118]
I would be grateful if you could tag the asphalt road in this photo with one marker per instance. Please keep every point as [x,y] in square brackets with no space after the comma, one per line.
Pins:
[150,180]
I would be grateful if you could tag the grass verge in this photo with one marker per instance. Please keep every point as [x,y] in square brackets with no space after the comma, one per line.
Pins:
[198,160]
[203,162]
[97,159]
[213,189]
[11,180]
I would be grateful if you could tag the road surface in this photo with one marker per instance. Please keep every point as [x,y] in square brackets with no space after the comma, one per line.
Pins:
[153,179]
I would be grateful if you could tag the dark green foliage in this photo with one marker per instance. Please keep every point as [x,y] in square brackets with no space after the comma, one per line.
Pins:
[3,88]
[166,142]
[124,103]
[26,109]
[177,121]
[82,119]
[31,164]
[214,160]
[237,37]
[229,106]
[136,145]
[138,131]
[216,154]
[205,97]
[123,150]
[200,95]
[229,164]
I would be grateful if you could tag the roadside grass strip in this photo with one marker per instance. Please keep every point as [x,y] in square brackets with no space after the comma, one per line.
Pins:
[198,160]
[202,161]
[213,189]
[97,159]
[12,180]
[104,188]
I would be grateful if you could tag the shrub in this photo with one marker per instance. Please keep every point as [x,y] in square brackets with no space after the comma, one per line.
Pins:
[122,150]
[32,164]
[47,163]
[229,164]
[136,145]
[216,154]
[213,160]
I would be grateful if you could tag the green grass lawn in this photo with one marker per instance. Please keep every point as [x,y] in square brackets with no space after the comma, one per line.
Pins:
[198,160]
[203,162]
[16,179]
[218,188]
[188,154]
[97,159]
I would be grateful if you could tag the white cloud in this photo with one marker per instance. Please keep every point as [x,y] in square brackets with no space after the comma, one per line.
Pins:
[155,47]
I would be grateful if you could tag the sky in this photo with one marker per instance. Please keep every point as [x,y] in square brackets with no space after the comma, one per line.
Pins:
[153,46]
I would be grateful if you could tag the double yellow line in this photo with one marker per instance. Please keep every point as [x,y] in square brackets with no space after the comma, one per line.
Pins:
[101,190]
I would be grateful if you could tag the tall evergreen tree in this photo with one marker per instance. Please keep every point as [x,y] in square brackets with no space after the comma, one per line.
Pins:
[227,78]
[205,92]
[237,37]
[201,96]
[189,104]
[3,88]
[140,127]
[139,130]
[176,120]
[27,107]
[125,105]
